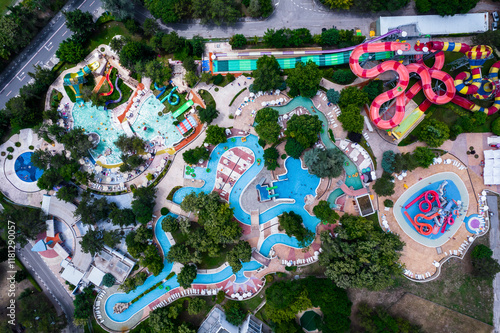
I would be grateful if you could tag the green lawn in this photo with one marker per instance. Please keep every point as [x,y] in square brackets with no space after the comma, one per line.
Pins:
[207,97]
[126,91]
[4,4]
[168,106]
[106,32]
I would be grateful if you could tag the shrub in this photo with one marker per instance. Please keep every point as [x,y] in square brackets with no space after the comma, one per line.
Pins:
[108,280]
[10,149]
[18,144]
[388,159]
[164,211]
[343,76]
[9,157]
[4,153]
[231,116]
[291,268]
[283,156]
[31,147]
[216,89]
[218,79]
[269,278]
[281,274]
[170,196]
[388,203]
[484,265]
[262,142]
[220,296]
[333,96]
[495,126]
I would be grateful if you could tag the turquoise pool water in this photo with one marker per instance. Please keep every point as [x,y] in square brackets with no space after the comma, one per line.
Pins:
[333,196]
[265,248]
[264,194]
[96,120]
[351,169]
[172,283]
[149,118]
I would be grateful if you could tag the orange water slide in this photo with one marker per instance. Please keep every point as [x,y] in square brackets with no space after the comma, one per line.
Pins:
[111,88]
[397,92]
[419,225]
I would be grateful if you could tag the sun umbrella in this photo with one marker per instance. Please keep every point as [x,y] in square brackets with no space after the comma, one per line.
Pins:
[108,179]
[98,168]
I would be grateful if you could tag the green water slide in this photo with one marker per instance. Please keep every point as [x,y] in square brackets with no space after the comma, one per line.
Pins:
[183,108]
[271,188]
[241,65]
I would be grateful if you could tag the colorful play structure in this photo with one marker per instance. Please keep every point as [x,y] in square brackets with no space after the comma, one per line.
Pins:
[187,124]
[434,207]
[173,99]
[75,80]
[466,84]
[119,91]
[111,88]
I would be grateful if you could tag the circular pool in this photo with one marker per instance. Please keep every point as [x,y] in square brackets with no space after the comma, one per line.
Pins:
[25,170]
[426,221]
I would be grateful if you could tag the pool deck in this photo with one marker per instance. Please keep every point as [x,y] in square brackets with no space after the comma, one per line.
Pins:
[416,257]
[232,164]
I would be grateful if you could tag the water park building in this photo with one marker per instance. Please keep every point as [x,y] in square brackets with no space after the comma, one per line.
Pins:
[436,24]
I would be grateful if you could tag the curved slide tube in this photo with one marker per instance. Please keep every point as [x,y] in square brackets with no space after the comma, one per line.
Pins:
[162,90]
[119,98]
[109,82]
[171,96]
[75,80]
[419,225]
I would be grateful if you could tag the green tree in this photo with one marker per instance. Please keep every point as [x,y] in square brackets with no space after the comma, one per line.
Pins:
[80,23]
[351,119]
[160,321]
[333,96]
[215,135]
[193,156]
[343,76]
[150,27]
[485,266]
[71,51]
[234,313]
[374,88]
[284,299]
[29,222]
[388,161]
[304,79]
[352,96]
[93,241]
[447,8]
[267,76]
[324,163]
[268,131]
[489,37]
[208,115]
[304,129]
[111,238]
[77,142]
[83,305]
[117,43]
[134,52]
[292,223]
[122,217]
[67,193]
[186,276]
[189,64]
[196,305]
[191,78]
[121,9]
[157,71]
[198,45]
[242,251]
[108,280]
[424,156]
[130,145]
[92,210]
[238,41]
[37,315]
[351,259]
[330,37]
[434,132]
[293,148]
[271,158]
[152,260]
[384,186]
[144,203]
[323,212]
[170,224]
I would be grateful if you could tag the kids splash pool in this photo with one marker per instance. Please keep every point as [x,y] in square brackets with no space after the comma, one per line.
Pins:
[25,170]
[432,210]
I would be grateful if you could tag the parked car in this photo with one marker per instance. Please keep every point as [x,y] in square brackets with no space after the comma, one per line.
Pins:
[494,26]
[495,16]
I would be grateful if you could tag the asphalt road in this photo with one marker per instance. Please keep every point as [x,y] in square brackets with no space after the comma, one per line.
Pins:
[49,283]
[495,246]
[40,51]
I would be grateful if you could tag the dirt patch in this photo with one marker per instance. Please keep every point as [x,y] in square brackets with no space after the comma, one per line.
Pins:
[436,318]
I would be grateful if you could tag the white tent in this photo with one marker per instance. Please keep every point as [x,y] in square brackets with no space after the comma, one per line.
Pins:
[491,167]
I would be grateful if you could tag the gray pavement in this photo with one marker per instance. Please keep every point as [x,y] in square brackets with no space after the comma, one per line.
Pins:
[41,51]
[492,201]
[49,283]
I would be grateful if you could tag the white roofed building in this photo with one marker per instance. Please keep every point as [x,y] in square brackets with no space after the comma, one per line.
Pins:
[491,173]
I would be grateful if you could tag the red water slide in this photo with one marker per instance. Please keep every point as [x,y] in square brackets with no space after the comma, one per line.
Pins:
[111,88]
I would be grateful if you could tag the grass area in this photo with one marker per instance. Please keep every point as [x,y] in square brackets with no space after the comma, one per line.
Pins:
[168,106]
[70,93]
[4,4]
[106,32]
[235,96]
[96,328]
[252,304]
[457,289]
[207,97]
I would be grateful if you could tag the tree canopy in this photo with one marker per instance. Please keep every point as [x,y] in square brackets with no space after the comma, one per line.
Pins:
[144,203]
[323,212]
[83,305]
[352,96]
[80,23]
[37,314]
[447,7]
[215,135]
[238,41]
[121,9]
[324,163]
[304,128]
[434,132]
[92,210]
[384,186]
[71,51]
[351,119]
[304,79]
[134,52]
[333,96]
[193,156]
[293,148]
[292,223]
[187,275]
[353,261]
[208,115]
[267,126]
[267,76]
[29,222]
[271,158]
[378,320]
[242,251]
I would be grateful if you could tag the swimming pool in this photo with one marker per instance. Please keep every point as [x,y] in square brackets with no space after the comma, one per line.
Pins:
[270,241]
[172,283]
[150,119]
[455,189]
[350,168]
[333,196]
[25,170]
[264,194]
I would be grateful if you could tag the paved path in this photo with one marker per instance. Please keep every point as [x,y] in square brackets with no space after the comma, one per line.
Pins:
[41,51]
[495,246]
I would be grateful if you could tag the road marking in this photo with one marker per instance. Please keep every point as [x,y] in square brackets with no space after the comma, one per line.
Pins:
[49,48]
[27,63]
[8,93]
[65,33]
[91,4]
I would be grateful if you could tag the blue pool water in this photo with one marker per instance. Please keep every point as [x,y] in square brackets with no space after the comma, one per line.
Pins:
[264,194]
[25,170]
[333,196]
[277,239]
[451,192]
[351,168]
[172,283]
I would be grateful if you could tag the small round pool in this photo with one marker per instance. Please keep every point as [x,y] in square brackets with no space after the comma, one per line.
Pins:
[25,170]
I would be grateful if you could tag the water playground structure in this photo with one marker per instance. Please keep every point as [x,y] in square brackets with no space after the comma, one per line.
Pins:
[171,97]
[389,115]
[75,80]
